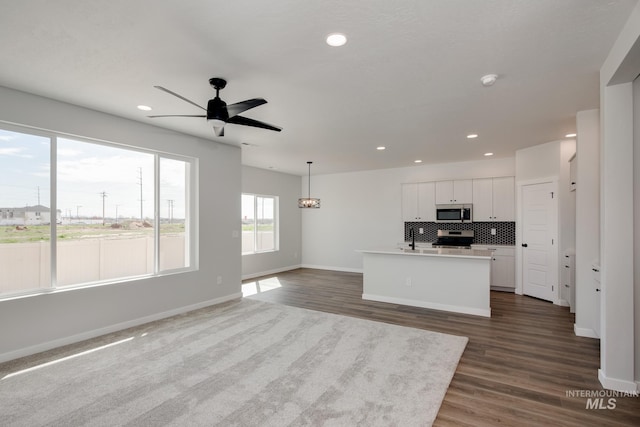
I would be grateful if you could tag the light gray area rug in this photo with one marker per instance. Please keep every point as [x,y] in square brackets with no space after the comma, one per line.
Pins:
[244,363]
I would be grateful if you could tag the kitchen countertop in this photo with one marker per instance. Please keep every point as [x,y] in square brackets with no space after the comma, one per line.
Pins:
[430,252]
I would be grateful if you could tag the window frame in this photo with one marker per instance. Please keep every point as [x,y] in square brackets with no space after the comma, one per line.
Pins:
[276,223]
[191,211]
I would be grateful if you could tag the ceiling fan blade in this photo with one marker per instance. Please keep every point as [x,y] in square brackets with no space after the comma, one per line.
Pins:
[180,96]
[240,107]
[177,115]
[239,120]
[218,131]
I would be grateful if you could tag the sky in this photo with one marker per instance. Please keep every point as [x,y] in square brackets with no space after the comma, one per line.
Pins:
[85,172]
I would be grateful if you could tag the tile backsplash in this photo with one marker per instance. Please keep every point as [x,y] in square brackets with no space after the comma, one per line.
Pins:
[505,231]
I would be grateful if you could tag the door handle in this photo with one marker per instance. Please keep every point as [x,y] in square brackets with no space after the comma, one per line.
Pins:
[524,245]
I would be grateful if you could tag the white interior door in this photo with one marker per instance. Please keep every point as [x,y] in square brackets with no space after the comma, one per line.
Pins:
[538,241]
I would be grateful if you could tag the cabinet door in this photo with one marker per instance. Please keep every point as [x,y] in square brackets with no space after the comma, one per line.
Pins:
[504,199]
[483,199]
[444,192]
[503,271]
[454,192]
[410,202]
[427,201]
[463,191]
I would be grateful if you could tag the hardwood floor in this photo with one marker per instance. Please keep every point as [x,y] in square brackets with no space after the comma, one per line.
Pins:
[517,369]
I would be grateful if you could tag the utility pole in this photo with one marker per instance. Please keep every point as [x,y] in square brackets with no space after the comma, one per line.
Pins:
[38,195]
[104,196]
[117,213]
[78,211]
[170,213]
[141,200]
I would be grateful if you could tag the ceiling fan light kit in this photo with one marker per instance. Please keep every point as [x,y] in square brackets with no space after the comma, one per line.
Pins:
[218,113]
[309,202]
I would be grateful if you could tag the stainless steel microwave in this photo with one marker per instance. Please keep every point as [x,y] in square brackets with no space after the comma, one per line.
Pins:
[454,213]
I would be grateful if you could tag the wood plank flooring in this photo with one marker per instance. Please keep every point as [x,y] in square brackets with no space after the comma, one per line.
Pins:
[517,368]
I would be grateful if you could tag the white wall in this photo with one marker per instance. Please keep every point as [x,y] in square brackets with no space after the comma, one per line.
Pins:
[619,341]
[35,323]
[587,221]
[362,210]
[636,222]
[540,161]
[287,188]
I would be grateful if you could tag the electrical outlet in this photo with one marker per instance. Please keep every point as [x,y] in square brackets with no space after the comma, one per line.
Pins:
[407,281]
[219,280]
[421,230]
[493,231]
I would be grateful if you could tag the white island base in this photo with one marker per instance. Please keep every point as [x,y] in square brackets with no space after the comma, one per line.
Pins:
[449,280]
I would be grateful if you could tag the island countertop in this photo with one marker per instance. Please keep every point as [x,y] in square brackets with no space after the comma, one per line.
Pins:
[430,252]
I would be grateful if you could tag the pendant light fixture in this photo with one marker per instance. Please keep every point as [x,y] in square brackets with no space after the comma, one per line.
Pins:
[309,202]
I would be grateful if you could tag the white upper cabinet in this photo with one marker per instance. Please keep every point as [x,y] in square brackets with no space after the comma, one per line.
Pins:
[418,202]
[483,199]
[454,192]
[494,199]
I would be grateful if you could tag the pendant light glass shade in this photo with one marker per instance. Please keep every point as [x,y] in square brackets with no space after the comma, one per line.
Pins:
[309,202]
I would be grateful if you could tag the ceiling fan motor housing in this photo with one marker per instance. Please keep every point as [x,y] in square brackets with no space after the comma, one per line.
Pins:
[216,110]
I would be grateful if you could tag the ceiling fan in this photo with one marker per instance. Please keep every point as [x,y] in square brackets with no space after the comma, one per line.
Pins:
[219,113]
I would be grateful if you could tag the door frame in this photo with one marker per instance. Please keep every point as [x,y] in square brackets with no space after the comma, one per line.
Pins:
[553,180]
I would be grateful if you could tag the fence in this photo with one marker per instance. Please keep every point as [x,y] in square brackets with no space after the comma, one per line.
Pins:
[27,266]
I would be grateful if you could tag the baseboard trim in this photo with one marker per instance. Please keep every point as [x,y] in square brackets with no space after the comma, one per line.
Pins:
[270,272]
[617,384]
[563,303]
[584,332]
[431,305]
[49,345]
[328,267]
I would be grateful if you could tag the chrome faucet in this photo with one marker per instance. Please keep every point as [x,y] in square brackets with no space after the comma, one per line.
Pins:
[412,235]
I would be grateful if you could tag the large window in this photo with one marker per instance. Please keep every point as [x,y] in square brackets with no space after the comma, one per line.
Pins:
[259,223]
[102,212]
[25,211]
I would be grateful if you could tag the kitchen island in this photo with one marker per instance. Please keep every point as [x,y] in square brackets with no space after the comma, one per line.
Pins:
[456,280]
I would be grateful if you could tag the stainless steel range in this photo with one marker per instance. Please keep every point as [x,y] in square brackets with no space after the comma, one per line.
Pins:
[458,239]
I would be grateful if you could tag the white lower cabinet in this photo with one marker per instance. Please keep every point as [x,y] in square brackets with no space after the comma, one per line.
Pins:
[503,267]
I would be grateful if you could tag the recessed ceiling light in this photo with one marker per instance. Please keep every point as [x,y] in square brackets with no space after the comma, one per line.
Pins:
[472,135]
[489,79]
[417,161]
[570,135]
[488,154]
[336,39]
[144,108]
[381,148]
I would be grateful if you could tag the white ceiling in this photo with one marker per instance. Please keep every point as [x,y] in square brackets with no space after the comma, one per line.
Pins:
[408,78]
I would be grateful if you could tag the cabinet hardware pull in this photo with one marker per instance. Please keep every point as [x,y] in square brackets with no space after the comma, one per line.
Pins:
[524,245]
[597,290]
[595,269]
